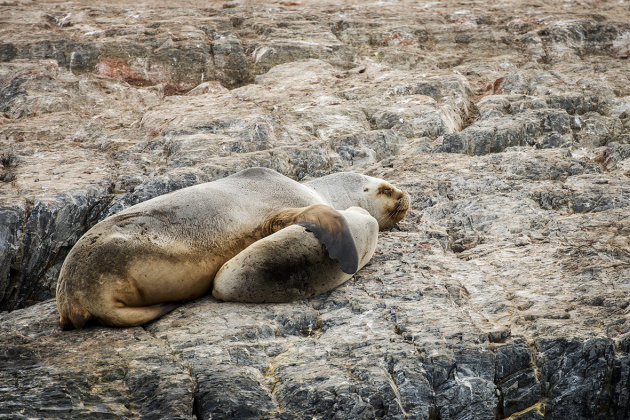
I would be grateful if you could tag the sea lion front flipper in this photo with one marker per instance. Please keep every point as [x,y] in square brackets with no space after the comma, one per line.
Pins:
[329,227]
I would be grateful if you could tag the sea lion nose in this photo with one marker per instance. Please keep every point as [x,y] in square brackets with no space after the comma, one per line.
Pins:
[404,200]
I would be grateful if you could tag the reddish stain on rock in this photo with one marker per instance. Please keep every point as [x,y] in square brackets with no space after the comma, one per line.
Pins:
[398,39]
[496,87]
[119,68]
[175,89]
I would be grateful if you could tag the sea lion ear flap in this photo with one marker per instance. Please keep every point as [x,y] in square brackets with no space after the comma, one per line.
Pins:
[332,230]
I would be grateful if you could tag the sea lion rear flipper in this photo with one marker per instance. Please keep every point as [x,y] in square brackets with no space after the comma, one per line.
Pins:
[132,316]
[329,227]
[72,314]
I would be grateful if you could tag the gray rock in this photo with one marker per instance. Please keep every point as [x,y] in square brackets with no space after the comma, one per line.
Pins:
[10,232]
[230,60]
[92,373]
[544,128]
[503,293]
[7,52]
[583,368]
[370,146]
[38,243]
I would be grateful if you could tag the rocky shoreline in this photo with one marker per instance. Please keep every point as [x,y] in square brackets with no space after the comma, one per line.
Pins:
[503,294]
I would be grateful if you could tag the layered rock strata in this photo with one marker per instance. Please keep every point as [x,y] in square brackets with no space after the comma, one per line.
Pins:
[503,294]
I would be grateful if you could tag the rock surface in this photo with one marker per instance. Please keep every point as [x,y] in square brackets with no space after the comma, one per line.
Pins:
[505,291]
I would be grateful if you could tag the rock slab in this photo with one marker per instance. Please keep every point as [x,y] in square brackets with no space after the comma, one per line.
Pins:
[503,294]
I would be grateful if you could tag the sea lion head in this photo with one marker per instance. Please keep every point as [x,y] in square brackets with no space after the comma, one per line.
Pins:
[386,203]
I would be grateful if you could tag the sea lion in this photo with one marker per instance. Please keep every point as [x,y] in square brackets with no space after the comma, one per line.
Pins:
[138,264]
[291,264]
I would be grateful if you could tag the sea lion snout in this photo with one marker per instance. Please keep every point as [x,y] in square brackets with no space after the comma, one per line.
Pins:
[404,201]
[401,206]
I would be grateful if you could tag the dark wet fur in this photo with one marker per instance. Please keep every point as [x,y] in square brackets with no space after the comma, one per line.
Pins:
[339,244]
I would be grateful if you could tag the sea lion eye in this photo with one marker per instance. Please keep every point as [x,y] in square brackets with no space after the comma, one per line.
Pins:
[366,190]
[386,190]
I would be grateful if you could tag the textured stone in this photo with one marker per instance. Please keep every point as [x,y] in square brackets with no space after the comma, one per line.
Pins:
[574,375]
[92,373]
[503,293]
